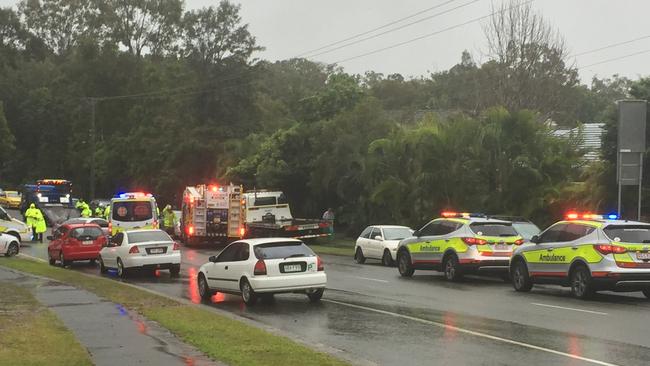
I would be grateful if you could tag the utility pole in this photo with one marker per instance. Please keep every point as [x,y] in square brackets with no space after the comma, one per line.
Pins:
[93,104]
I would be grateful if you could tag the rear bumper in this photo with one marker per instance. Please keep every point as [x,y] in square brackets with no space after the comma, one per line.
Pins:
[486,266]
[80,255]
[622,281]
[300,282]
[153,261]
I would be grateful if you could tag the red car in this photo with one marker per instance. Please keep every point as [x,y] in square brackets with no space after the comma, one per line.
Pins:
[75,242]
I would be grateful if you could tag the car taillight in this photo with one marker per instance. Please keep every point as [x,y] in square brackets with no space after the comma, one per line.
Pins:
[242,231]
[260,268]
[110,227]
[319,264]
[134,250]
[474,241]
[610,249]
[519,241]
[190,230]
[324,224]
[291,228]
[176,246]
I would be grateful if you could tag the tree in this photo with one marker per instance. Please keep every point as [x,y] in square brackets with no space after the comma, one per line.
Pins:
[7,141]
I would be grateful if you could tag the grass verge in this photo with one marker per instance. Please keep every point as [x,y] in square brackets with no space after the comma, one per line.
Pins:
[32,335]
[338,245]
[219,337]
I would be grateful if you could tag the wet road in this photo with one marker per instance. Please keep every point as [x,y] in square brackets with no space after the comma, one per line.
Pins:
[375,316]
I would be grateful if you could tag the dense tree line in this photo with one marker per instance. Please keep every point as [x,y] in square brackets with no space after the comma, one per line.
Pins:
[181,99]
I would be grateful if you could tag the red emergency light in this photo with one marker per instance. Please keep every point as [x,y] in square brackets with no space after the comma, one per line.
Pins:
[450,214]
[214,188]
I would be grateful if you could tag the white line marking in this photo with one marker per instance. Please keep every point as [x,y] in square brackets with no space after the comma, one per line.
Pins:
[474,333]
[565,308]
[372,279]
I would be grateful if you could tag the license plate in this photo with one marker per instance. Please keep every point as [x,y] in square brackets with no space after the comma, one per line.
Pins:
[87,242]
[307,227]
[643,256]
[156,250]
[292,268]
[501,247]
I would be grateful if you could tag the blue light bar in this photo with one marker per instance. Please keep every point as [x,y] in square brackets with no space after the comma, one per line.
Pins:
[612,216]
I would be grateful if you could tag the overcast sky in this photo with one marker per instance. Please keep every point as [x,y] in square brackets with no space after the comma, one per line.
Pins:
[289,28]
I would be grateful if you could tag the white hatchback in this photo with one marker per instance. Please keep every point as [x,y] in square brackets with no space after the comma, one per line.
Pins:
[9,245]
[141,249]
[262,267]
[380,242]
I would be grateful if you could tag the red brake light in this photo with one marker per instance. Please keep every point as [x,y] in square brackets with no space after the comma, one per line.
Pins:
[618,249]
[474,241]
[242,231]
[134,250]
[610,249]
[190,230]
[519,241]
[324,224]
[176,246]
[319,264]
[260,268]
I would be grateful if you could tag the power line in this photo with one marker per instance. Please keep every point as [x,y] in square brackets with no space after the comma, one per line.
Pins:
[432,34]
[376,29]
[616,58]
[609,46]
[394,29]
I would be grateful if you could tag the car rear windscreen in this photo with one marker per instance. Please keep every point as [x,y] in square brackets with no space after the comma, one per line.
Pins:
[493,229]
[628,233]
[86,233]
[145,236]
[129,211]
[393,233]
[282,250]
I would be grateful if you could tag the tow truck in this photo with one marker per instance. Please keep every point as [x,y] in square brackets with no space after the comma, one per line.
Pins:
[52,197]
[268,215]
[212,213]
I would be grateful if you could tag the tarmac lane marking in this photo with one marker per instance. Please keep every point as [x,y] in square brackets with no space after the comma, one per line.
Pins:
[473,333]
[372,279]
[572,309]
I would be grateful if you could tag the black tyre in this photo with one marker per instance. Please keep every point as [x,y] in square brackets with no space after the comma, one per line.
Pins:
[93,262]
[521,280]
[64,263]
[121,271]
[404,265]
[102,267]
[204,289]
[247,293]
[646,292]
[581,285]
[51,260]
[452,269]
[386,259]
[175,271]
[315,296]
[359,257]
[12,250]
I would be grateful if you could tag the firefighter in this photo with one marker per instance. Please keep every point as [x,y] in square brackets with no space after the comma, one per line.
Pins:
[169,219]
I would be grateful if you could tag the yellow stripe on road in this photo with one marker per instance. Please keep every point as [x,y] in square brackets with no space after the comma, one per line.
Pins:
[474,333]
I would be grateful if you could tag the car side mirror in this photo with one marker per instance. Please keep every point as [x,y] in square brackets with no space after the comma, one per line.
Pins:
[534,239]
[50,237]
[213,258]
[378,237]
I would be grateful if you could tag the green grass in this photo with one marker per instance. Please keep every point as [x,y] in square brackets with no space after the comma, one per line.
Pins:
[219,337]
[337,245]
[31,335]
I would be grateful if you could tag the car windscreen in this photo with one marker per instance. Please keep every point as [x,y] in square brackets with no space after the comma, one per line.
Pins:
[86,233]
[493,229]
[129,211]
[60,214]
[145,236]
[628,233]
[398,233]
[282,250]
[526,229]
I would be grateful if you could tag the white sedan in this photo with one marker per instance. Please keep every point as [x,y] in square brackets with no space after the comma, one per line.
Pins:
[262,267]
[141,249]
[9,245]
[380,242]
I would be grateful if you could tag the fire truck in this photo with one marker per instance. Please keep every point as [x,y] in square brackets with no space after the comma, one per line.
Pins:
[52,197]
[212,213]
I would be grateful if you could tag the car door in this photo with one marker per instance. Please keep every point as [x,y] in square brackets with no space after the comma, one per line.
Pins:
[110,252]
[55,246]
[567,248]
[362,239]
[219,275]
[426,248]
[374,243]
[239,266]
[542,259]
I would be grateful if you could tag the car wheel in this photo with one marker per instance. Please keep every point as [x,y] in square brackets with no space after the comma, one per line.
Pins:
[64,263]
[102,267]
[404,265]
[204,289]
[359,257]
[51,260]
[121,271]
[386,259]
[12,250]
[452,268]
[247,293]
[315,296]
[175,271]
[581,286]
[521,281]
[646,292]
[93,262]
